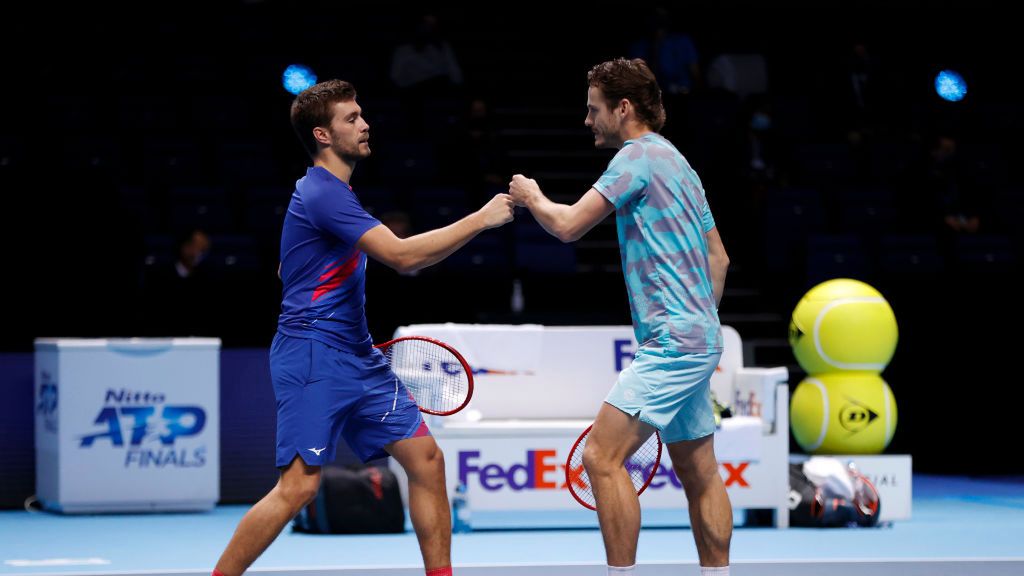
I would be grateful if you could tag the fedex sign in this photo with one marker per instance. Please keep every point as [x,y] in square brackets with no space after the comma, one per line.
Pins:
[624,351]
[545,470]
[540,471]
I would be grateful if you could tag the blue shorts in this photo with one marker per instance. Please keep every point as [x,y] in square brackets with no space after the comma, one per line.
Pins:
[324,394]
[671,392]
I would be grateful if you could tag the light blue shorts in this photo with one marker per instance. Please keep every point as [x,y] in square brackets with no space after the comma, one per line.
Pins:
[671,392]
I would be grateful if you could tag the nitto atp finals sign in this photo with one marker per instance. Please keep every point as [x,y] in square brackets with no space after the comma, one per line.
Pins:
[146,427]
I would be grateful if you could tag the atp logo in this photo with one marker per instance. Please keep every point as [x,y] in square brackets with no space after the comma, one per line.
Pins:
[171,423]
[46,405]
[139,420]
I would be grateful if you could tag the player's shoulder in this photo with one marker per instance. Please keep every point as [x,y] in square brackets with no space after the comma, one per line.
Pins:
[633,150]
[321,177]
[319,183]
[650,143]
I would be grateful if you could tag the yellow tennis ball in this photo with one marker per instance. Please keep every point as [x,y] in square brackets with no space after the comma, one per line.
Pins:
[843,325]
[843,413]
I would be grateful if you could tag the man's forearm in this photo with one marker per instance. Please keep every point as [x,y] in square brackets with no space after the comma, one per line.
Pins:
[552,216]
[431,247]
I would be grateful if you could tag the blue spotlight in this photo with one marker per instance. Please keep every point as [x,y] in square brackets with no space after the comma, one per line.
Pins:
[950,86]
[297,78]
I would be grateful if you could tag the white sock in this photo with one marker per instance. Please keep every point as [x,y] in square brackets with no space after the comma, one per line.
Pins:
[621,570]
[714,571]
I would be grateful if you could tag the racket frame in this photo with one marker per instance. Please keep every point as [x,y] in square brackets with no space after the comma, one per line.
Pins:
[383,347]
[568,468]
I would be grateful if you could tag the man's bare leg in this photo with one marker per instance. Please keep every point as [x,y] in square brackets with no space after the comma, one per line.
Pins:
[710,510]
[428,498]
[297,486]
[614,437]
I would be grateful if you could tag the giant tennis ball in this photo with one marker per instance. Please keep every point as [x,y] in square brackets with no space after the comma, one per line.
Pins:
[843,325]
[843,413]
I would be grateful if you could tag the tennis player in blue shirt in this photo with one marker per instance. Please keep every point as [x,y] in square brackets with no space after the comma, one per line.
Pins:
[329,381]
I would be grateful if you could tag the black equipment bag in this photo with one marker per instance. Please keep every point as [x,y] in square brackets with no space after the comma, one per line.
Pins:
[816,506]
[355,499]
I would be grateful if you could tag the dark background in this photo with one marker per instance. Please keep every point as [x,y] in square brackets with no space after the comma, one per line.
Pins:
[118,138]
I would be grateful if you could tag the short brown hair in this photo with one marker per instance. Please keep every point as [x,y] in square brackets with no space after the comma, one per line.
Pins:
[634,81]
[314,107]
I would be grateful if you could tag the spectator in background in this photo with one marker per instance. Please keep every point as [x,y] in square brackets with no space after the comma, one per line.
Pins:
[475,158]
[484,143]
[424,67]
[860,75]
[192,250]
[945,180]
[672,56]
[179,298]
[761,145]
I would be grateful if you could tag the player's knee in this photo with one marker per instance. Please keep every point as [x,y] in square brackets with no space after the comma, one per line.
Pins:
[594,460]
[428,462]
[307,493]
[300,492]
[434,459]
[693,474]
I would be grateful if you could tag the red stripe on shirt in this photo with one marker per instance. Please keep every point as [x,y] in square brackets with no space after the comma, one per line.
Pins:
[334,277]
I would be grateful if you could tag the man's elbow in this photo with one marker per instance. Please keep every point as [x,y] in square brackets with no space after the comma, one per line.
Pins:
[568,233]
[720,263]
[405,265]
[399,261]
[567,236]
[403,257]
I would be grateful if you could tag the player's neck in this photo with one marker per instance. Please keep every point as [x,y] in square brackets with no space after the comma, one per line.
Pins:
[336,166]
[634,130]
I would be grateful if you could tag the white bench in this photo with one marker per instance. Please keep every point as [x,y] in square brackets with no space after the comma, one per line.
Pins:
[537,388]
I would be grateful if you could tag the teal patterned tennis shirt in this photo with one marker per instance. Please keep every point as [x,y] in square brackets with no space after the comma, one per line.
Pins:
[662,216]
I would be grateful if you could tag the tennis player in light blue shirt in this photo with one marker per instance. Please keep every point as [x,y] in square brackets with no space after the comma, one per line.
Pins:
[675,265]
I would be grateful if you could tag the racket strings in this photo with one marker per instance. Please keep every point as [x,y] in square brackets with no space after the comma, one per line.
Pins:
[433,375]
[641,466]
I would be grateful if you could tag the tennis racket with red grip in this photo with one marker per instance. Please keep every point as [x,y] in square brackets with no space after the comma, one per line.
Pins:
[642,465]
[437,376]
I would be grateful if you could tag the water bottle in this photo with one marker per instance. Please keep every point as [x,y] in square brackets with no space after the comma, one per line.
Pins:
[517,302]
[460,511]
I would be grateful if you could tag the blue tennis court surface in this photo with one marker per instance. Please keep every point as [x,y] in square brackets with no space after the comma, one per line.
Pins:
[959,526]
